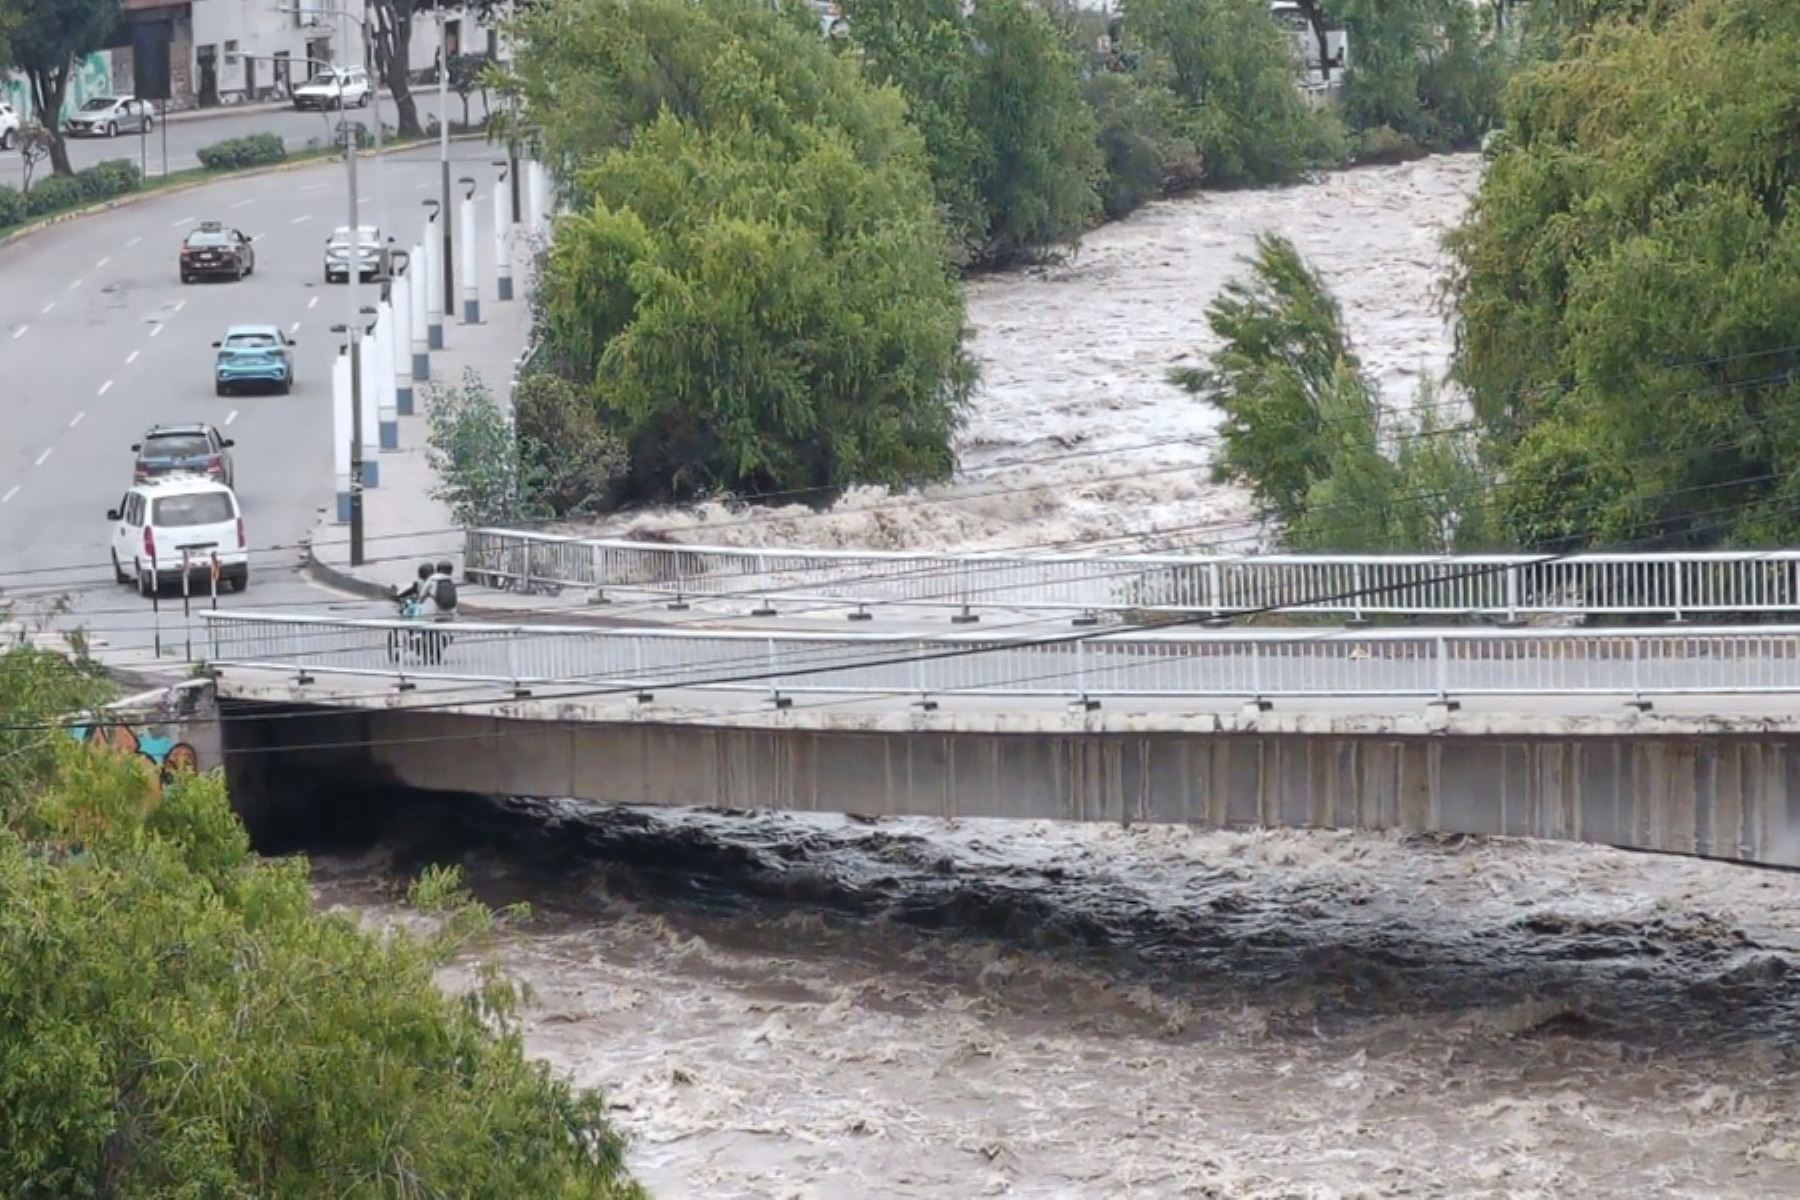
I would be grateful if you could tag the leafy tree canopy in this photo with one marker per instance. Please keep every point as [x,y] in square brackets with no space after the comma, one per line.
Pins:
[181,1020]
[1628,282]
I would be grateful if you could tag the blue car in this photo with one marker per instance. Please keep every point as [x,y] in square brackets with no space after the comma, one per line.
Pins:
[254,354]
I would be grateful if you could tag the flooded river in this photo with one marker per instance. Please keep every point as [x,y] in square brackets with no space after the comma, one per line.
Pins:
[801,1007]
[806,1009]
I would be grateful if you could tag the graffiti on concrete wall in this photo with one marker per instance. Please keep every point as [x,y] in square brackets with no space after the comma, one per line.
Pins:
[91,77]
[164,751]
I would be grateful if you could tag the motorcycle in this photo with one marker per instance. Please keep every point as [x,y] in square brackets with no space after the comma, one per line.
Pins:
[425,645]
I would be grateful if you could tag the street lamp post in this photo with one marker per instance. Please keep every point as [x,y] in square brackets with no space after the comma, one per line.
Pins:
[444,153]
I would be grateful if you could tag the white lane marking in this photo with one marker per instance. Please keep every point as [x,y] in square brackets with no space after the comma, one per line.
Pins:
[243,204]
[313,187]
[312,304]
[132,357]
[293,329]
[46,309]
[426,186]
[183,221]
[76,419]
[10,493]
[101,265]
[134,241]
[256,237]
[301,220]
[179,305]
[43,456]
[20,332]
[104,388]
[79,280]
[231,416]
[156,329]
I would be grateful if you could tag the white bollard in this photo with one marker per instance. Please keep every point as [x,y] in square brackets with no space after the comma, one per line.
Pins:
[372,376]
[537,198]
[387,403]
[340,433]
[502,240]
[418,276]
[434,287]
[400,345]
[471,277]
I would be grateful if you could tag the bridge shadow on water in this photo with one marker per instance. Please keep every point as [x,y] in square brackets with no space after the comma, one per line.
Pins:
[1322,931]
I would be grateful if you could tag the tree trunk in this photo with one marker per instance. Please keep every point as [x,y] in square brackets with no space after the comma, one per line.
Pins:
[48,89]
[1316,18]
[393,56]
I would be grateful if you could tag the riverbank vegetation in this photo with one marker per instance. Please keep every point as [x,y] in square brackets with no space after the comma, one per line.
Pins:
[756,291]
[182,1021]
[1624,288]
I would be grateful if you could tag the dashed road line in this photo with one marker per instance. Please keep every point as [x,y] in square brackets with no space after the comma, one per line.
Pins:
[243,204]
[79,280]
[231,416]
[10,493]
[134,241]
[42,457]
[104,388]
[132,357]
[293,329]
[156,329]
[183,221]
[312,304]
[76,419]
[101,265]
[46,309]
[20,331]
[179,305]
[301,220]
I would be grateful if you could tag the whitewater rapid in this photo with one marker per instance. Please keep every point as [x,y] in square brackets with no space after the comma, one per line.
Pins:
[1076,437]
[804,1008]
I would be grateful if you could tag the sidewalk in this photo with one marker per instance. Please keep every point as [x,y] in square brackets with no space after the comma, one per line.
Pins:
[403,524]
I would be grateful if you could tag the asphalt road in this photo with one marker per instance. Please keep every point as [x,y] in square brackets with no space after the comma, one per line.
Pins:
[99,340]
[188,133]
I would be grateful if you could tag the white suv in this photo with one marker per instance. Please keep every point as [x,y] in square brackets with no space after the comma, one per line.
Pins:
[335,87]
[9,126]
[163,522]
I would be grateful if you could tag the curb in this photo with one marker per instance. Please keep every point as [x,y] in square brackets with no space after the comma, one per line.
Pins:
[321,572]
[140,197]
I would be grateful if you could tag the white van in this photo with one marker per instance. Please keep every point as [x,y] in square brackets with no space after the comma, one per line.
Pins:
[161,521]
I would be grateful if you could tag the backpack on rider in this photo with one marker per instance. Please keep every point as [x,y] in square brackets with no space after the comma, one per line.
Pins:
[443,590]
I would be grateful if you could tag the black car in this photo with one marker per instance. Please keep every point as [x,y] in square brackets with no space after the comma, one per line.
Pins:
[196,449]
[215,250]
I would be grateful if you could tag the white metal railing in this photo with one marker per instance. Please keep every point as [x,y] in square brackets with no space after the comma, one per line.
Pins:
[1504,587]
[1169,664]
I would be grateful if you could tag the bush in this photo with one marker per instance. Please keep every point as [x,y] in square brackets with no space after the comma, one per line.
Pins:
[232,154]
[114,177]
[12,206]
[53,195]
[570,462]
[1383,145]
[182,1020]
[475,454]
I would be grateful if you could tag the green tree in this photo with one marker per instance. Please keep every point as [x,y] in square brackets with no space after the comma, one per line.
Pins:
[474,454]
[1422,68]
[48,38]
[756,320]
[1627,283]
[1305,432]
[182,1021]
[996,97]
[1231,67]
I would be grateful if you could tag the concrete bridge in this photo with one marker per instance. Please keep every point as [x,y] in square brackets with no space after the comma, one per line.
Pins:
[1669,739]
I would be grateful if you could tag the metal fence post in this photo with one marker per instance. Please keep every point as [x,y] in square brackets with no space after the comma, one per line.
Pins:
[1442,646]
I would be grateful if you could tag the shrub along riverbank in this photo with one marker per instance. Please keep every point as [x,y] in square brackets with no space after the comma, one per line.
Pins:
[182,1021]
[757,291]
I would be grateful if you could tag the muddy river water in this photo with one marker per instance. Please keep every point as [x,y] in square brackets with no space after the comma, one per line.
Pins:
[806,1008]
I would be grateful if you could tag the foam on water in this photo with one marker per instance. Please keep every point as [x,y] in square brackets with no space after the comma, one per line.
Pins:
[1076,433]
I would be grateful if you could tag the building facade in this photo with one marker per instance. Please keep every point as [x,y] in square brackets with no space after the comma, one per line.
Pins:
[224,52]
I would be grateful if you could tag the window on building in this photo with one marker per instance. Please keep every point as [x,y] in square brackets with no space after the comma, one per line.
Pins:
[231,54]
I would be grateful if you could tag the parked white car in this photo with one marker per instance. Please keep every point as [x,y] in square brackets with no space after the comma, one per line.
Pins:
[160,523]
[109,116]
[9,126]
[335,87]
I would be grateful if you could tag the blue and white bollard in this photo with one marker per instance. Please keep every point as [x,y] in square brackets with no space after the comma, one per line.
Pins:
[400,346]
[503,240]
[374,373]
[387,401]
[434,289]
[340,433]
[471,278]
[418,274]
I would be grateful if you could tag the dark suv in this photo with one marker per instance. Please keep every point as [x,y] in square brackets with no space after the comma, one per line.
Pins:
[195,449]
[216,250]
